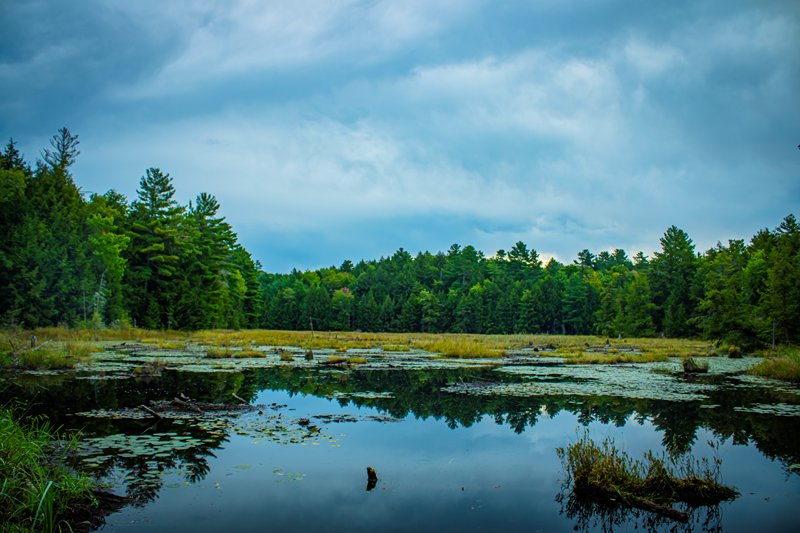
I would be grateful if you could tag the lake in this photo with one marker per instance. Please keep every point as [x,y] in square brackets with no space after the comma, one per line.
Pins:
[457,445]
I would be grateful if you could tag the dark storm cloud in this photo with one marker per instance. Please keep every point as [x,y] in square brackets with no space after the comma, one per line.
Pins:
[349,129]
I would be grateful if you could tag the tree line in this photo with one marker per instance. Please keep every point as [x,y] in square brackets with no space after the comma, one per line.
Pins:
[101,260]
[66,259]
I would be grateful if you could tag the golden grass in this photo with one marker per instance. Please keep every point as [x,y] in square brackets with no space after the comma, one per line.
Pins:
[461,346]
[224,343]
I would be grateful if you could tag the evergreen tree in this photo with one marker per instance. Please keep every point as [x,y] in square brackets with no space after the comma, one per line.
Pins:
[672,274]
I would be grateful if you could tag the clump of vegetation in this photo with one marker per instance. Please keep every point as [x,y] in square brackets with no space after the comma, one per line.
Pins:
[734,352]
[784,364]
[37,486]
[653,483]
[335,360]
[695,367]
[219,353]
[286,356]
[249,352]
[43,355]
[165,345]
[152,368]
[357,360]
[394,347]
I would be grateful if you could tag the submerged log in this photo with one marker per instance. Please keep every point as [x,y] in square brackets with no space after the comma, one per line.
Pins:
[609,493]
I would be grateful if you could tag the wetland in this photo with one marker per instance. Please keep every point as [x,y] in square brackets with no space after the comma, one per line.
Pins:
[280,434]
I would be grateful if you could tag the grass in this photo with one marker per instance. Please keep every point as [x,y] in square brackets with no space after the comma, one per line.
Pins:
[227,343]
[661,479]
[35,491]
[459,346]
[227,352]
[783,363]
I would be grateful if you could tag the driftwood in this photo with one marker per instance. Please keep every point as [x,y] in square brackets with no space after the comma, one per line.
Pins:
[608,493]
[198,407]
[148,410]
[240,399]
[187,406]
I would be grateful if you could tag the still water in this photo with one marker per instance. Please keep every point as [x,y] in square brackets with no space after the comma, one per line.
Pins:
[449,457]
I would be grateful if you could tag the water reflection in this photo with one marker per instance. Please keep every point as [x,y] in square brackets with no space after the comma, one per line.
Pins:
[184,449]
[589,514]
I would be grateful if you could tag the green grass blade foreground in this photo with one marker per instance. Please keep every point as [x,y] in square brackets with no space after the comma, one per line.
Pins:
[35,492]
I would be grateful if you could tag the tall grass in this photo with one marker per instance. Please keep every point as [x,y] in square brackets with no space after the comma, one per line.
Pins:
[784,364]
[37,486]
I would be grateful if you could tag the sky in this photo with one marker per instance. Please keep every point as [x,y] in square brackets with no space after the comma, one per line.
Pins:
[333,130]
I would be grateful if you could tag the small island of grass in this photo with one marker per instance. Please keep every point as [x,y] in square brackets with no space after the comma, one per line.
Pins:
[654,484]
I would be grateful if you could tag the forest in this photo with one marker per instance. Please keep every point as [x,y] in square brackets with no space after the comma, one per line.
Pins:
[101,261]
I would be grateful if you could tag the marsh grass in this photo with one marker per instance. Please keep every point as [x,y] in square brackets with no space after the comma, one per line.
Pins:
[664,478]
[219,353]
[462,346]
[226,343]
[37,486]
[46,360]
[395,348]
[782,363]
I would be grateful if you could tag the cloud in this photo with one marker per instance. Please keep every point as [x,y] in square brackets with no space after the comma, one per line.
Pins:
[349,129]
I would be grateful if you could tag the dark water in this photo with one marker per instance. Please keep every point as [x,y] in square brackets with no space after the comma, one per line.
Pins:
[452,462]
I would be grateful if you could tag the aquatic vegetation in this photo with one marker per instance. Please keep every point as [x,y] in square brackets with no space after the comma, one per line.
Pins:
[692,366]
[614,357]
[785,366]
[395,348]
[652,483]
[37,485]
[627,381]
[214,353]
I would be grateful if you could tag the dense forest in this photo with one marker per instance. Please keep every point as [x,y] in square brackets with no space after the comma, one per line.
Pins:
[103,261]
